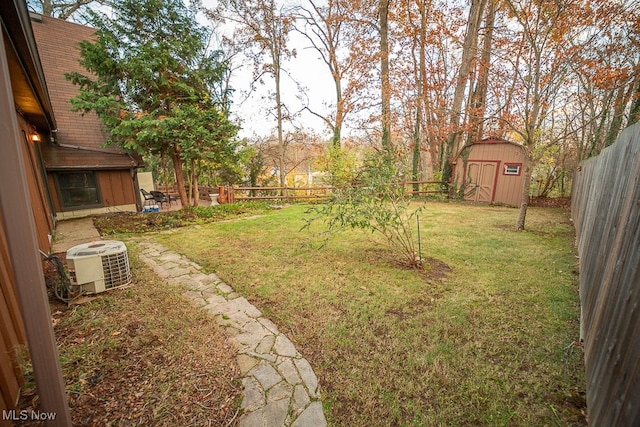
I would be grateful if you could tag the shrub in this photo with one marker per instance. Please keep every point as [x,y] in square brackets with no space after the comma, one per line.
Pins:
[377,203]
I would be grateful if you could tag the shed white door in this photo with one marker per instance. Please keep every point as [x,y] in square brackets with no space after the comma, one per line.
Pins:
[480,181]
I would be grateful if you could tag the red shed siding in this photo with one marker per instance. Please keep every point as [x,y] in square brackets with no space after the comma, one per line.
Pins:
[507,188]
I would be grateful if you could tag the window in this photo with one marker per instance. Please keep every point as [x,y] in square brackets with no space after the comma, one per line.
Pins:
[78,189]
[512,168]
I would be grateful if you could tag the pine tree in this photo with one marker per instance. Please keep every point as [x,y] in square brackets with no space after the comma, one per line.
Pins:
[155,84]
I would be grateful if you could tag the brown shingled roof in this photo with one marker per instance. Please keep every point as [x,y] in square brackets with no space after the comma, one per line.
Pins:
[57,42]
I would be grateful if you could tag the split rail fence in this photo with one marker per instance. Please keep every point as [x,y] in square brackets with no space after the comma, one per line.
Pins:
[606,213]
[237,194]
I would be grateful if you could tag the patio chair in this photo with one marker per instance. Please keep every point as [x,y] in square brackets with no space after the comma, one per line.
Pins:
[160,198]
[148,197]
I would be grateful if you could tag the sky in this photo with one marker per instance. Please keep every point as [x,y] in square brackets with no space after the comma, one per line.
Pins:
[308,70]
[255,110]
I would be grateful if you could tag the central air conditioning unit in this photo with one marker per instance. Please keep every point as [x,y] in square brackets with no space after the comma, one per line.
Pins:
[99,266]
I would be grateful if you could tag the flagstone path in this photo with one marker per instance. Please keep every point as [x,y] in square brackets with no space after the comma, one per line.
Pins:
[280,387]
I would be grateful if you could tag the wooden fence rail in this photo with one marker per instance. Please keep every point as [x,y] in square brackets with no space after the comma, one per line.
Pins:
[236,194]
[606,213]
[278,193]
[320,192]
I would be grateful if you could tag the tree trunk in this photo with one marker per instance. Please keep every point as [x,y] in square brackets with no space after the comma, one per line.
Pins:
[524,198]
[383,13]
[47,8]
[479,97]
[421,75]
[279,117]
[177,167]
[634,114]
[597,139]
[336,141]
[624,94]
[469,54]
[415,174]
[196,190]
[190,181]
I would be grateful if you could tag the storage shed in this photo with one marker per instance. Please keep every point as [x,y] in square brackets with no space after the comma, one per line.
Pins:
[490,171]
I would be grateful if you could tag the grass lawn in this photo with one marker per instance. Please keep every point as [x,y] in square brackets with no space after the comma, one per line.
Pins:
[490,342]
[142,356]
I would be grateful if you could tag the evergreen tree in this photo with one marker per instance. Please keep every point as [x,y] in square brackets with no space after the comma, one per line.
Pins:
[155,84]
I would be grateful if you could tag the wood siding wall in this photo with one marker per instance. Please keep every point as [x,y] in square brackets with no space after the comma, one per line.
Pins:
[12,335]
[606,212]
[117,188]
[12,332]
[38,192]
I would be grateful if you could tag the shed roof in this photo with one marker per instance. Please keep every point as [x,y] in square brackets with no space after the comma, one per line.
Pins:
[80,137]
[494,140]
[489,140]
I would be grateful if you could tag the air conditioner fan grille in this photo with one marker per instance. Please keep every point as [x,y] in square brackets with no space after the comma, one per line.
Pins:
[116,270]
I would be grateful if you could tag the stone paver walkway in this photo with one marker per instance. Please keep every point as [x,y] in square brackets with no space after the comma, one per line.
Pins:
[280,387]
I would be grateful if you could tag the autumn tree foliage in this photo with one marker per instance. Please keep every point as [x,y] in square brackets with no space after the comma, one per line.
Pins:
[547,39]
[527,71]
[336,33]
[607,73]
[422,80]
[423,77]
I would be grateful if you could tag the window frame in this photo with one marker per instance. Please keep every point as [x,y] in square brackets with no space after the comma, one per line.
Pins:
[505,171]
[60,190]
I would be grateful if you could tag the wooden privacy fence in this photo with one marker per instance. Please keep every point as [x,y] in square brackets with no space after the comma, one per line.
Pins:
[606,213]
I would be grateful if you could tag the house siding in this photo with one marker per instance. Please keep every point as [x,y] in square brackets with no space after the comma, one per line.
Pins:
[38,196]
[117,188]
[25,212]
[12,334]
